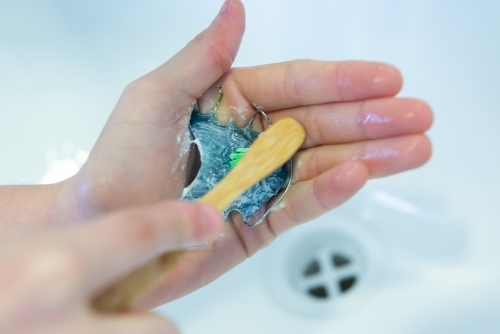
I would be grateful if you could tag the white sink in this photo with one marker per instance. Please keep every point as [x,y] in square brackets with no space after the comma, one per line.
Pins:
[423,245]
[409,264]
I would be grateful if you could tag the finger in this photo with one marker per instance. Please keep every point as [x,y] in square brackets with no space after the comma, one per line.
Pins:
[117,244]
[356,121]
[150,121]
[308,82]
[143,323]
[309,199]
[382,157]
[190,72]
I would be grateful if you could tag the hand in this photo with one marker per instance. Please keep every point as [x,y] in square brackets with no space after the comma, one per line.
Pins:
[356,129]
[46,282]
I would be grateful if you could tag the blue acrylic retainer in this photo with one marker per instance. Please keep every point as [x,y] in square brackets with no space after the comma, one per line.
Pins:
[216,142]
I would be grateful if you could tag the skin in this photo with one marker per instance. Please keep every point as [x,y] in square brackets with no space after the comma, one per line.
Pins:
[356,129]
[47,280]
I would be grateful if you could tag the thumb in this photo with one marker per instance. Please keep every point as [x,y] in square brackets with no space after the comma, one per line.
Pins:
[140,156]
[118,243]
[190,72]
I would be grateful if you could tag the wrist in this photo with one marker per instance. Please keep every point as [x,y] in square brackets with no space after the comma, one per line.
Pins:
[28,208]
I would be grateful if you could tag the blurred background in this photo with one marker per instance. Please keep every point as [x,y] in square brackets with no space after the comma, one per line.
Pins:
[416,253]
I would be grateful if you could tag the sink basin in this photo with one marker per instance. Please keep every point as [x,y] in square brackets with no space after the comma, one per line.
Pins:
[404,279]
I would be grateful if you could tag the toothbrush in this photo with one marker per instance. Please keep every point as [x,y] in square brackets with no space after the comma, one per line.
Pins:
[269,152]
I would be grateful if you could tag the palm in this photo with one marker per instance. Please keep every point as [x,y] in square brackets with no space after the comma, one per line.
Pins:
[356,129]
[354,132]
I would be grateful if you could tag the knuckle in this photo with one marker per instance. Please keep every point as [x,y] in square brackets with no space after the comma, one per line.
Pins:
[324,207]
[216,53]
[342,81]
[363,123]
[292,215]
[219,57]
[290,87]
[314,133]
[313,165]
[137,229]
[361,153]
[197,39]
[140,87]
[291,211]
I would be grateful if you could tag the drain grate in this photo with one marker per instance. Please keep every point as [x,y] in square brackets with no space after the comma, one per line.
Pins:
[330,273]
[340,260]
[323,268]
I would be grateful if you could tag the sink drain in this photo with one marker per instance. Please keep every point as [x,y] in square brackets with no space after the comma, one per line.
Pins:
[324,267]
[329,273]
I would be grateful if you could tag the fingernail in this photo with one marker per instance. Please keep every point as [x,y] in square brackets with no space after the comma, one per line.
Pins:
[211,222]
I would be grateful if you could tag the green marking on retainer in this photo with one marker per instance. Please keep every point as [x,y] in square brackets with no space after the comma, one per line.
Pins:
[236,156]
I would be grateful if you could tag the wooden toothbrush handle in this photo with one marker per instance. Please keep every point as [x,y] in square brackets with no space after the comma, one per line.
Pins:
[122,295]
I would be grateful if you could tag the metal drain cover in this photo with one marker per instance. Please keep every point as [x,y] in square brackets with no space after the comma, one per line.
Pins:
[330,272]
[323,267]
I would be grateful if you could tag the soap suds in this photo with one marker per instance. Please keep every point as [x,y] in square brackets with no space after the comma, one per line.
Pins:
[184,139]
[191,107]
[184,143]
[240,111]
[278,207]
[258,107]
[179,114]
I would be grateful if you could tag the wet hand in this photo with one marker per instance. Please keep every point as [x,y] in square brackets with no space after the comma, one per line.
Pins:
[47,281]
[356,129]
